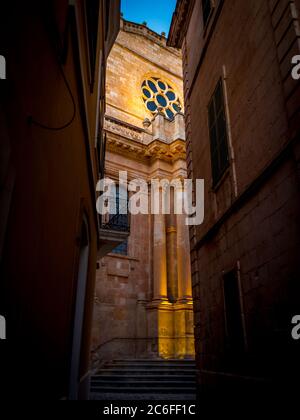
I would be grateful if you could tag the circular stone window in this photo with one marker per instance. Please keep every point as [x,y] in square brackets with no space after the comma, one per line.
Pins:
[157,93]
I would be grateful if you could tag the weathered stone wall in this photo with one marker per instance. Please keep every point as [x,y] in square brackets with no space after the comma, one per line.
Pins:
[249,46]
[123,281]
[134,57]
[133,315]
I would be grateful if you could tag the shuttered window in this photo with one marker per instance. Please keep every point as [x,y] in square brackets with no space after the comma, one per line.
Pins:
[206,9]
[218,134]
[92,15]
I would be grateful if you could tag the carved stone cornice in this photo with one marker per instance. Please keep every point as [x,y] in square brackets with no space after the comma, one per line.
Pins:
[125,147]
[143,30]
[169,152]
[123,129]
[156,150]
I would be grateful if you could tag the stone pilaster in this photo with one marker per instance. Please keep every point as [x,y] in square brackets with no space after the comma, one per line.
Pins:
[172,252]
[183,261]
[158,127]
[179,132]
[160,291]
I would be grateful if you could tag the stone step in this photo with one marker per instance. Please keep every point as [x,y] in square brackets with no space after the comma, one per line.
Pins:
[149,366]
[143,390]
[134,385]
[130,383]
[135,371]
[153,361]
[141,378]
[145,378]
[114,396]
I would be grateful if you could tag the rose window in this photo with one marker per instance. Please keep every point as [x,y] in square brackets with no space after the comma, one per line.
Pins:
[159,94]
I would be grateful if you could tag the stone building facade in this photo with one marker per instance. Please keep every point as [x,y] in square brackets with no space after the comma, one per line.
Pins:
[51,131]
[242,123]
[143,304]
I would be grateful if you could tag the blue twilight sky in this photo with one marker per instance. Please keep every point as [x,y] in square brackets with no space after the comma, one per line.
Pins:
[157,13]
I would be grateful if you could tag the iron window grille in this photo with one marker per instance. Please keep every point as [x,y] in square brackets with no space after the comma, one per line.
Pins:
[120,220]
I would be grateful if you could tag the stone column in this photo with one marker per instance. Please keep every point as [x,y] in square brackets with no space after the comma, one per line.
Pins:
[159,258]
[158,126]
[183,260]
[179,127]
[147,133]
[172,252]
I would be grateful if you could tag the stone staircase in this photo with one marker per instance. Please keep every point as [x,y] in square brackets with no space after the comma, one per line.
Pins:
[145,380]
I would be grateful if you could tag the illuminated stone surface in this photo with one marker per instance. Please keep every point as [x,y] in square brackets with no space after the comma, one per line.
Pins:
[143,303]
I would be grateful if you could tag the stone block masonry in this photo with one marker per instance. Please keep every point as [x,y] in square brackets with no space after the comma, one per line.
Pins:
[251,230]
[143,304]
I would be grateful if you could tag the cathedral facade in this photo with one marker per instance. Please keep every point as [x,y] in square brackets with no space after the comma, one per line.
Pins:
[143,299]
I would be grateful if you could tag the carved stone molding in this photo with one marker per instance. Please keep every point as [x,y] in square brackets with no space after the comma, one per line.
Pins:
[146,153]
[123,129]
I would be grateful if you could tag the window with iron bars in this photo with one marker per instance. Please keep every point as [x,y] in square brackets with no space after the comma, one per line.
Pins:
[120,220]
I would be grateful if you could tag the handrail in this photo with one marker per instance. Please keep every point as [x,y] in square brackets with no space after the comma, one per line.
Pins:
[130,338]
[98,362]
[122,338]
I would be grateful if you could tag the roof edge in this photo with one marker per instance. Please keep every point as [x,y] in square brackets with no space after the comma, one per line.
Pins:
[142,28]
[179,24]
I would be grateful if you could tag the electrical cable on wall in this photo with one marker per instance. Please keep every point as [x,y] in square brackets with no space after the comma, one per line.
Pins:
[31,120]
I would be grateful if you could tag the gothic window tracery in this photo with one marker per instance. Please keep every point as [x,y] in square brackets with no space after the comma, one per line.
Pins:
[157,93]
